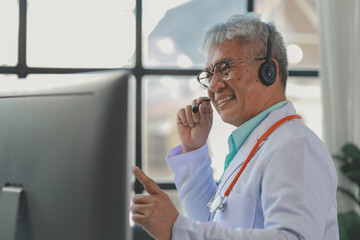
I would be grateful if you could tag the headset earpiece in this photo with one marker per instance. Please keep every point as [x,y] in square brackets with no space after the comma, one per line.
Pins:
[267,73]
[267,70]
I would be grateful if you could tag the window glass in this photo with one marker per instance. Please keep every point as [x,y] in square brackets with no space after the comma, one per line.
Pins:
[9,28]
[297,21]
[8,77]
[173,29]
[165,95]
[55,77]
[81,33]
[305,93]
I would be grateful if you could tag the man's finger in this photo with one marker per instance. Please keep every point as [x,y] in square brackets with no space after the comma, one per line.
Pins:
[139,209]
[150,186]
[141,199]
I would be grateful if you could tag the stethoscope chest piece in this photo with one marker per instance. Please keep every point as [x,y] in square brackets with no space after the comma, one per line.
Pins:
[218,204]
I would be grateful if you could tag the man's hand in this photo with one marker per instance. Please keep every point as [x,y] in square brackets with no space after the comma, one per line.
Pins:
[194,128]
[154,212]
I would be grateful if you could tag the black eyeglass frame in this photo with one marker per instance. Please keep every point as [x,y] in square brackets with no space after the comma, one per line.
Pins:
[227,64]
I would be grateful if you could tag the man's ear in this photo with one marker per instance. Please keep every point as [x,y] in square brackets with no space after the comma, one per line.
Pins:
[276,64]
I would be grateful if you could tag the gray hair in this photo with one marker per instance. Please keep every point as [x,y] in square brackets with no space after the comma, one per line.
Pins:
[249,28]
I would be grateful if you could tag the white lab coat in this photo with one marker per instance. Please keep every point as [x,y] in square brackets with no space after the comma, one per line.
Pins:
[287,191]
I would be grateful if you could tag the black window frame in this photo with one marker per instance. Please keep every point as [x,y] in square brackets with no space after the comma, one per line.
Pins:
[22,70]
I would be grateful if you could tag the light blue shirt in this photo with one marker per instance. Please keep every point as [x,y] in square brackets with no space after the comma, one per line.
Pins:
[239,135]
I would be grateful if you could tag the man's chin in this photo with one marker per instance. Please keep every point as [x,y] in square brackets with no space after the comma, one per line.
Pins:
[229,118]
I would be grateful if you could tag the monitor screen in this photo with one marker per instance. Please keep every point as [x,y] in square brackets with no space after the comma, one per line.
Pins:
[68,142]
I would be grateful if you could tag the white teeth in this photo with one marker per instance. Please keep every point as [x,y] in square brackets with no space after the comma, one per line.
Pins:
[220,101]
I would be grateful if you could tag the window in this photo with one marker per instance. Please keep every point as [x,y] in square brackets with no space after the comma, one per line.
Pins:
[297,21]
[8,77]
[96,34]
[158,41]
[9,28]
[172,39]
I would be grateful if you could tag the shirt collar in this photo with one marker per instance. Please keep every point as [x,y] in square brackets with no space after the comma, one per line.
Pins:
[239,135]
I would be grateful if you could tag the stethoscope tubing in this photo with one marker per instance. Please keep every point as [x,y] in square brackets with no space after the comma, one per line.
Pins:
[222,204]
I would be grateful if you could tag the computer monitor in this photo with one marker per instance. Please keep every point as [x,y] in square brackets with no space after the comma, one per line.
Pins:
[67,143]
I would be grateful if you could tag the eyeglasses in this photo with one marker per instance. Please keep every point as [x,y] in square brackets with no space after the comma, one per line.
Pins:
[221,70]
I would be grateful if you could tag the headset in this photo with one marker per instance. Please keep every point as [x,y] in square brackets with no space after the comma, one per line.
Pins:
[267,70]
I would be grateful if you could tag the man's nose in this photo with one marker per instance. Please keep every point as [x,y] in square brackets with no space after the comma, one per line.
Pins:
[216,84]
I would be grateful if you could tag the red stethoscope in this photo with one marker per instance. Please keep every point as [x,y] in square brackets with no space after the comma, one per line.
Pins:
[219,202]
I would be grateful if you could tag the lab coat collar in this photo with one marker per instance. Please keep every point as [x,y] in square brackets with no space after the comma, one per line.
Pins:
[244,151]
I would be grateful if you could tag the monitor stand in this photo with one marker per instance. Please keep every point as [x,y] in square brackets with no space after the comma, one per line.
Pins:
[9,206]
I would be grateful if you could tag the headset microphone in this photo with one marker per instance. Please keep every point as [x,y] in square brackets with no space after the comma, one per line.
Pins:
[195,109]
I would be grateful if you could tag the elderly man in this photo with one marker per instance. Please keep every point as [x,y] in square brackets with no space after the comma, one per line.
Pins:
[279,180]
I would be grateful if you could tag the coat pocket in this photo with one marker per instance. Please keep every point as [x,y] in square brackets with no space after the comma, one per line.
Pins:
[239,212]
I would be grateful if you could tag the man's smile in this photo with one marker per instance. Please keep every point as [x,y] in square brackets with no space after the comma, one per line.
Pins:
[222,100]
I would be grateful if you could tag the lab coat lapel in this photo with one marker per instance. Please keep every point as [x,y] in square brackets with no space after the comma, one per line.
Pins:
[250,142]
[274,117]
